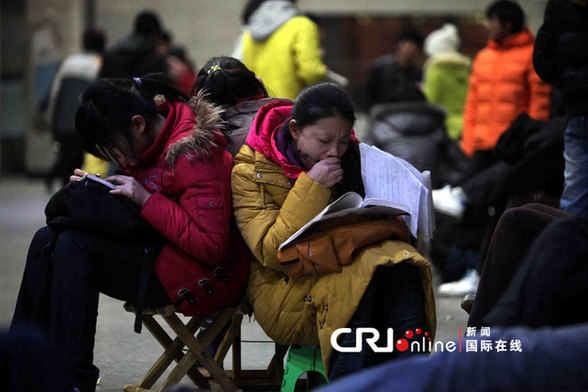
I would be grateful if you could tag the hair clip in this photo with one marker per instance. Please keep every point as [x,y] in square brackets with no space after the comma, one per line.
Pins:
[138,82]
[213,68]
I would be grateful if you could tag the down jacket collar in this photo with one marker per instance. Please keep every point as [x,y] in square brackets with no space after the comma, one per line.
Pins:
[523,38]
[181,136]
[261,138]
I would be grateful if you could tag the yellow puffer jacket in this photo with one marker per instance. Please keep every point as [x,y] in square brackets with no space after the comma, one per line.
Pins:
[270,207]
[288,60]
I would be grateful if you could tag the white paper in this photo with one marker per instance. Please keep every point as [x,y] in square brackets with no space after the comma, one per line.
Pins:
[388,177]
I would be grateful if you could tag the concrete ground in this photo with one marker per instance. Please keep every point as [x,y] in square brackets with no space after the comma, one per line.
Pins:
[122,355]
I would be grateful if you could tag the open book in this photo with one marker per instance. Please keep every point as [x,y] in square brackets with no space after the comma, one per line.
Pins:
[388,177]
[349,203]
[392,187]
[91,177]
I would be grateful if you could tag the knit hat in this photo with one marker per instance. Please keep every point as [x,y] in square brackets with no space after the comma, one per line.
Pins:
[443,40]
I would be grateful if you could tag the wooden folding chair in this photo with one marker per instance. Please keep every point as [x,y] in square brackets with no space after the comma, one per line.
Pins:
[188,363]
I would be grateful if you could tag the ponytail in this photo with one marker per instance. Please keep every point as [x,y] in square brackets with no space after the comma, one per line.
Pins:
[226,81]
[153,84]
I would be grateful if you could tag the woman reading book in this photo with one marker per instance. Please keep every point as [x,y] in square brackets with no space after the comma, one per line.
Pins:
[297,158]
[177,172]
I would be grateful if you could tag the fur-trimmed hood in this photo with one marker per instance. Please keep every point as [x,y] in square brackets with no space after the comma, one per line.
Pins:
[202,138]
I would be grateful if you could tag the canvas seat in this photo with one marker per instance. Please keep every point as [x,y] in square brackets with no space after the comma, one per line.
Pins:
[195,361]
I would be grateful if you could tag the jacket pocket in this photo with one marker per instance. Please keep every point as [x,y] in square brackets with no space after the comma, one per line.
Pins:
[211,214]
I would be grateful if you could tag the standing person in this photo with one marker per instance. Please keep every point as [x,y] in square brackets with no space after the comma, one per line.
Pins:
[228,83]
[179,67]
[295,160]
[283,48]
[502,84]
[397,77]
[560,58]
[246,13]
[177,173]
[74,75]
[136,54]
[446,73]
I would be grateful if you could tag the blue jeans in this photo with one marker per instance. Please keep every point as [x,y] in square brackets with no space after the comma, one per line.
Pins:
[574,198]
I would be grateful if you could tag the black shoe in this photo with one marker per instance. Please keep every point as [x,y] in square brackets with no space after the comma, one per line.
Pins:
[468,302]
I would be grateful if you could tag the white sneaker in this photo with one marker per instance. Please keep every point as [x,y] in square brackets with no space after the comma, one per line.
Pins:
[449,201]
[466,285]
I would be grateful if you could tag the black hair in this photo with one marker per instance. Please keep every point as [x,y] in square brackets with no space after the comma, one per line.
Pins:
[249,9]
[94,40]
[165,37]
[147,23]
[325,100]
[314,17]
[179,52]
[322,100]
[225,81]
[108,106]
[411,34]
[507,12]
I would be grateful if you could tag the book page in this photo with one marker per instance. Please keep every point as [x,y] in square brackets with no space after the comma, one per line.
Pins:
[391,178]
[350,203]
[348,200]
[341,206]
[372,201]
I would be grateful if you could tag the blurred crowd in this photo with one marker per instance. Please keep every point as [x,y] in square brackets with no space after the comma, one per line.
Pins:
[504,136]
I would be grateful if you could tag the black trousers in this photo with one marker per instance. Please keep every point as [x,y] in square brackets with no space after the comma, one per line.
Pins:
[550,288]
[515,232]
[394,298]
[60,294]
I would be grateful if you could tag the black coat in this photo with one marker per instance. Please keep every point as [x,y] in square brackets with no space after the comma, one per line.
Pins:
[529,158]
[134,56]
[560,54]
[415,132]
[387,82]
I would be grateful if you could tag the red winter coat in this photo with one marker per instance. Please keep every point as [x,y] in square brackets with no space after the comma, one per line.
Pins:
[503,84]
[203,266]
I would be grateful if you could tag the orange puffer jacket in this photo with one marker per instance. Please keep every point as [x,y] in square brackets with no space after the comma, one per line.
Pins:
[503,84]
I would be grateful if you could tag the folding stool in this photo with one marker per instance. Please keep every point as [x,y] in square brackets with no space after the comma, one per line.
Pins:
[196,347]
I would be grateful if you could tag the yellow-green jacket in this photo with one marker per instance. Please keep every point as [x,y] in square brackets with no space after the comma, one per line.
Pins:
[269,207]
[287,58]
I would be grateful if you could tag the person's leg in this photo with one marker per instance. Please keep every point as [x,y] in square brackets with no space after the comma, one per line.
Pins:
[83,265]
[393,299]
[345,363]
[32,304]
[574,198]
[400,305]
[550,287]
[516,230]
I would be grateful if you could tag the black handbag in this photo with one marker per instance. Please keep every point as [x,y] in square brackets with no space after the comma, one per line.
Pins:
[88,205]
